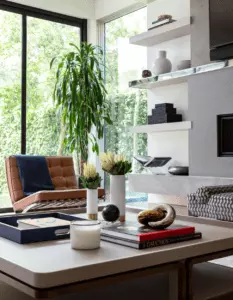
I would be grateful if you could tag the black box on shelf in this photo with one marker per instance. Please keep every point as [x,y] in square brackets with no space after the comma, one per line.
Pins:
[164,106]
[167,119]
[163,111]
[150,120]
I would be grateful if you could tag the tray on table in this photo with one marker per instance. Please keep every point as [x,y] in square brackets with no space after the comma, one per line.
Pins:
[9,228]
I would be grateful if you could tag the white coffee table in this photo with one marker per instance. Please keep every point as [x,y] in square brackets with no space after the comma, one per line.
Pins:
[47,269]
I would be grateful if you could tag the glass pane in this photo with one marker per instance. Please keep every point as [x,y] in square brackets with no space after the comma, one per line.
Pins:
[125,62]
[46,40]
[10,94]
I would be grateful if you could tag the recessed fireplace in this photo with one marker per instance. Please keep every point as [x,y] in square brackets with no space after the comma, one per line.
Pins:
[225,135]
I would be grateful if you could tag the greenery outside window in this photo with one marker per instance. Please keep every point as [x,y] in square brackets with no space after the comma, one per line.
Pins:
[30,38]
[125,62]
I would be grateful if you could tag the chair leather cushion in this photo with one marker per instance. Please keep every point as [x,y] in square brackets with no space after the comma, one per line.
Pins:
[61,170]
[34,174]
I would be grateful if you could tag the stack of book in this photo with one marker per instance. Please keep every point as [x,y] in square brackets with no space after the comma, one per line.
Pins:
[164,113]
[140,237]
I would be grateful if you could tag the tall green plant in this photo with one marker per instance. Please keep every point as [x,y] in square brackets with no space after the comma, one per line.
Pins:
[80,97]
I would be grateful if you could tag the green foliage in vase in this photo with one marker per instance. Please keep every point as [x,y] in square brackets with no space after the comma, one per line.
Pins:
[121,168]
[91,183]
[90,179]
[115,164]
[80,96]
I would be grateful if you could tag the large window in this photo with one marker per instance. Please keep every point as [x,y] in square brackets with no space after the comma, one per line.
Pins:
[29,123]
[125,62]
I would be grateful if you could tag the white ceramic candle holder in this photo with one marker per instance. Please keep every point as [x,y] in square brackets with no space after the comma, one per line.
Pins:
[85,235]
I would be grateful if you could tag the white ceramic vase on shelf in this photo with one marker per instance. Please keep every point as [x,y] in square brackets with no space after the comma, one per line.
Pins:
[161,65]
[117,193]
[92,204]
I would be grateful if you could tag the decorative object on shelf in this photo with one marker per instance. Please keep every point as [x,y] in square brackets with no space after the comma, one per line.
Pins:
[153,164]
[161,65]
[164,79]
[111,213]
[91,181]
[160,217]
[146,73]
[164,17]
[184,64]
[178,170]
[117,166]
[162,20]
[85,235]
[164,113]
[149,162]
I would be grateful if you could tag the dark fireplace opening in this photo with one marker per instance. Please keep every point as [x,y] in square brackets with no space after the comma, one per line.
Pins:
[225,135]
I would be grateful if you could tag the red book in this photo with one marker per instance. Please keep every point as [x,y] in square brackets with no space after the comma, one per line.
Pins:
[135,232]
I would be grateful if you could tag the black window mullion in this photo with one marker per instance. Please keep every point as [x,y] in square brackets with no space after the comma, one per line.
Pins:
[24,86]
[83,31]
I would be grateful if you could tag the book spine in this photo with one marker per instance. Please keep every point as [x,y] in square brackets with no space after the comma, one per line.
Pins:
[163,242]
[165,234]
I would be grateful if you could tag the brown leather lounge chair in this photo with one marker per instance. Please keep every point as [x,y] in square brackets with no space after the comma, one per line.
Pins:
[66,193]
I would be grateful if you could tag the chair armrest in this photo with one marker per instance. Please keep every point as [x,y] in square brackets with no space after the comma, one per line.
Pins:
[203,194]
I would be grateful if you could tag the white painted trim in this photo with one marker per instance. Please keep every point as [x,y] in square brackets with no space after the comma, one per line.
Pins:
[122,12]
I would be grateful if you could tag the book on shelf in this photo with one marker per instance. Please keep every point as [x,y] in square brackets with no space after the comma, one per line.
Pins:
[152,243]
[159,23]
[134,232]
[41,223]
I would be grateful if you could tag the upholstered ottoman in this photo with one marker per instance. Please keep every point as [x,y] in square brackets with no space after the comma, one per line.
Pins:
[214,202]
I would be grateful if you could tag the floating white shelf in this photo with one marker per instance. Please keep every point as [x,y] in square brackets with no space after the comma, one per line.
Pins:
[177,126]
[153,82]
[172,185]
[163,33]
[177,77]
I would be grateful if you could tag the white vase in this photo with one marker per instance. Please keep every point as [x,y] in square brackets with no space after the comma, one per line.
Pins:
[117,193]
[162,65]
[184,64]
[92,204]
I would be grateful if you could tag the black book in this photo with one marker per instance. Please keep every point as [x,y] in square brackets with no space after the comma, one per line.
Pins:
[152,243]
[136,232]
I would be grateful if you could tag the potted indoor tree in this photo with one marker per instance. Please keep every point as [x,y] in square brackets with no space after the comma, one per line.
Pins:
[80,97]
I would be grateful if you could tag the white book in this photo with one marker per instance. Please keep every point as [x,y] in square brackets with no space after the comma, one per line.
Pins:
[41,223]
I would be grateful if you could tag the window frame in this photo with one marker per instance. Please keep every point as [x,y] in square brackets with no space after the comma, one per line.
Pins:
[101,26]
[25,12]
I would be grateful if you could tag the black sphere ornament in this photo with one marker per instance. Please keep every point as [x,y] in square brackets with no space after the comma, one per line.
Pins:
[111,213]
